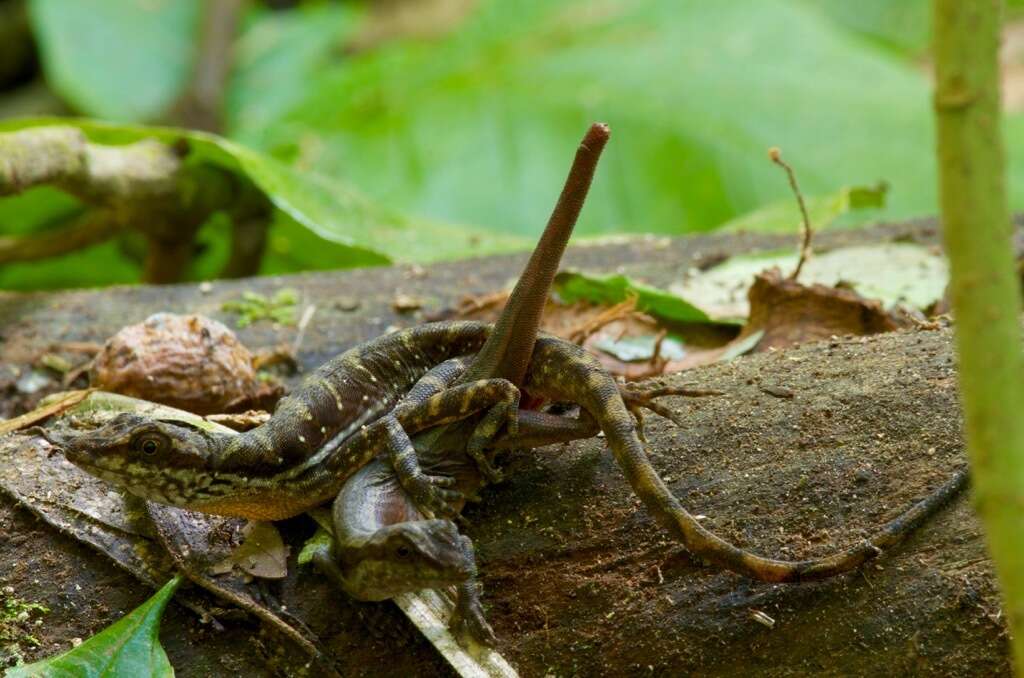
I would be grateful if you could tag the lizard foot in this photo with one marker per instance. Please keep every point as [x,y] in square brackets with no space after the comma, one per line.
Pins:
[469,626]
[487,469]
[637,397]
[432,496]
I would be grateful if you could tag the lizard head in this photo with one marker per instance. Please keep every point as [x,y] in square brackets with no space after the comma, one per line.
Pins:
[409,556]
[152,458]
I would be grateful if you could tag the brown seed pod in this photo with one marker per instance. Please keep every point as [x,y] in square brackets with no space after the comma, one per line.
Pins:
[185,361]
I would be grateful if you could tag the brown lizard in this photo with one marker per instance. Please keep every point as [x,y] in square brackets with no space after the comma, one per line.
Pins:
[232,484]
[385,546]
[296,459]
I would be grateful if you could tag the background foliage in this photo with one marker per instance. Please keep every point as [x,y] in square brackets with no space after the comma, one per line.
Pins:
[467,127]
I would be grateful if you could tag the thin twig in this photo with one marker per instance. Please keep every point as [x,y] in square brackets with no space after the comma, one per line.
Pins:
[620,311]
[805,243]
[307,315]
[83,230]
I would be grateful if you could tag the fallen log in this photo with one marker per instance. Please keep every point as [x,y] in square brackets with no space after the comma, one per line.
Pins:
[578,579]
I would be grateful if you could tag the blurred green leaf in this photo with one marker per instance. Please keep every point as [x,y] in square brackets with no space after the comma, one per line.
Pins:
[784,216]
[97,266]
[902,26]
[480,127]
[276,57]
[575,286]
[119,59]
[129,647]
[342,227]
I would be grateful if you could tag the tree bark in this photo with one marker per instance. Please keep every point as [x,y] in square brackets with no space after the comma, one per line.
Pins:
[578,579]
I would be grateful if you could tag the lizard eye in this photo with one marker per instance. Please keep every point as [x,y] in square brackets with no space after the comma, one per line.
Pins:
[149,445]
[402,551]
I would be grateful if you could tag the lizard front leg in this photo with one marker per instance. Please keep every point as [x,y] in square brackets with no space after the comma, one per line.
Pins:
[497,396]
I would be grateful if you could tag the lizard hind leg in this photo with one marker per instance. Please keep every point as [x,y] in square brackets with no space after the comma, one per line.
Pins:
[498,398]
[430,493]
[503,414]
[468,623]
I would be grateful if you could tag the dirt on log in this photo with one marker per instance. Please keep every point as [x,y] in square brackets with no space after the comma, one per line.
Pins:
[578,580]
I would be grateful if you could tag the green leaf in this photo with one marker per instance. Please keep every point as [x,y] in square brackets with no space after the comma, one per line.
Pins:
[119,59]
[320,540]
[479,127]
[895,273]
[343,228]
[901,26]
[277,54]
[823,211]
[129,647]
[575,286]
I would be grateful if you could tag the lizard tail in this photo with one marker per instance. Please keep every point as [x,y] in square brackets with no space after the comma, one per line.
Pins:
[582,380]
[507,351]
[659,500]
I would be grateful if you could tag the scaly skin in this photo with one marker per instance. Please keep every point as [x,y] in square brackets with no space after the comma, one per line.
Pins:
[171,463]
[386,547]
[295,460]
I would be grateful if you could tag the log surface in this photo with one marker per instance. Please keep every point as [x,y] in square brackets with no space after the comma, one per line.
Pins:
[578,579]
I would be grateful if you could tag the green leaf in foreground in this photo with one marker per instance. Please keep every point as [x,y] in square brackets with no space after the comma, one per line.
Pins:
[130,647]
[783,216]
[575,286]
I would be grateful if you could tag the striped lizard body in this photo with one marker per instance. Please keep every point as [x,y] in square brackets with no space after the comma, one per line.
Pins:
[285,466]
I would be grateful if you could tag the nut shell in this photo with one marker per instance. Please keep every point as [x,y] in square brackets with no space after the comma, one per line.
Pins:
[187,361]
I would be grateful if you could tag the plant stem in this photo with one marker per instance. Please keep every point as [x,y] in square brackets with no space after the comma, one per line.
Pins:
[984,287]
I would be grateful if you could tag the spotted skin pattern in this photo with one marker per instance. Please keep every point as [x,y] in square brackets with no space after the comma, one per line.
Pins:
[295,460]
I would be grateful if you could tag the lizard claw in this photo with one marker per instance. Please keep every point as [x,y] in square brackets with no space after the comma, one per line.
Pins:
[492,474]
[469,626]
[431,496]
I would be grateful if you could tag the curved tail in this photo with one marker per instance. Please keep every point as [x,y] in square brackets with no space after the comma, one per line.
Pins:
[563,371]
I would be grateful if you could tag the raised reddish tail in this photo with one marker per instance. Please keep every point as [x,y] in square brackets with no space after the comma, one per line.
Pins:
[510,345]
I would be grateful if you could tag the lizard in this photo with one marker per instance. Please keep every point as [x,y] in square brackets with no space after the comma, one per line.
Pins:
[295,460]
[266,474]
[384,545]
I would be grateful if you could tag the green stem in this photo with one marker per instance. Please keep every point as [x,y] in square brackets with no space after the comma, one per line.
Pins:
[984,287]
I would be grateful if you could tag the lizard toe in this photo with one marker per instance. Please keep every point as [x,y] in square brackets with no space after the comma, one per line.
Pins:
[471,628]
[443,481]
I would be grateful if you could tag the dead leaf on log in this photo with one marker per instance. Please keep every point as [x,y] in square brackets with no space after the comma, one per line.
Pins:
[261,554]
[789,312]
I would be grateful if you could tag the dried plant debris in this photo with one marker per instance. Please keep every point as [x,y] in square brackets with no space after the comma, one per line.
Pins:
[185,361]
[261,554]
[788,312]
[904,274]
